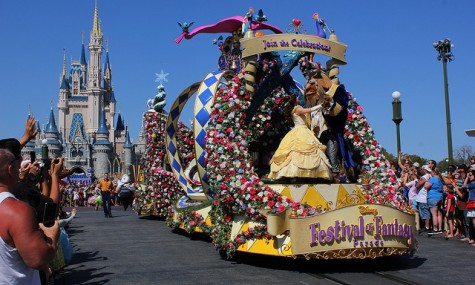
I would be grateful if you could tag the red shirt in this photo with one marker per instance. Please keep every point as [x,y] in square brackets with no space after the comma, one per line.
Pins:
[450,197]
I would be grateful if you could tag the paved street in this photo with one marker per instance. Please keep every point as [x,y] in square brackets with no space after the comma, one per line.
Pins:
[128,249]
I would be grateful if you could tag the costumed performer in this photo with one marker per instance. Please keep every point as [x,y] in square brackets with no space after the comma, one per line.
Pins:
[126,191]
[334,111]
[300,154]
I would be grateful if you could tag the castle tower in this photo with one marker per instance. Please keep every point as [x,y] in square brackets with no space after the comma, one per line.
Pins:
[52,136]
[95,50]
[128,148]
[102,147]
[64,94]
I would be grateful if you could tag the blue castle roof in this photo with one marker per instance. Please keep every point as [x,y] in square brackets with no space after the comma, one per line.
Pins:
[51,127]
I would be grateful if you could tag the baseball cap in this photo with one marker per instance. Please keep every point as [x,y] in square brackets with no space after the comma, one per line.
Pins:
[13,145]
[416,164]
[426,168]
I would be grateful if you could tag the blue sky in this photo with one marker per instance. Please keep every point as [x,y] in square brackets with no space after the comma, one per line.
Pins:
[389,48]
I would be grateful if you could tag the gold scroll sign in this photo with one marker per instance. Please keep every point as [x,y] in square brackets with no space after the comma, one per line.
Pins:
[295,42]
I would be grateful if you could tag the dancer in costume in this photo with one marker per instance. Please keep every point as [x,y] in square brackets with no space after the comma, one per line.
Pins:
[328,122]
[300,154]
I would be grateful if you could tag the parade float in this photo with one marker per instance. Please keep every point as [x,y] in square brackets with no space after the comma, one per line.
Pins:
[219,185]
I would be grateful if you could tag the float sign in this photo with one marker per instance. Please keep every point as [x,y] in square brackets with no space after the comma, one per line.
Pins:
[358,226]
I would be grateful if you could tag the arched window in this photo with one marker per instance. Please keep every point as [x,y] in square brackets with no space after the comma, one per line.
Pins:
[81,151]
[73,152]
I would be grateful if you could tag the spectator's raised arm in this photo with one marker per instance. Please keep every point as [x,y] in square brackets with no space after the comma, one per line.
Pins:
[30,131]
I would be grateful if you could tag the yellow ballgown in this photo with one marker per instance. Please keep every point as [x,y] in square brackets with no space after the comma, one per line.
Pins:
[300,154]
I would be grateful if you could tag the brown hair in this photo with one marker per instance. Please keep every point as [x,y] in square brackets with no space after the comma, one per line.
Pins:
[289,107]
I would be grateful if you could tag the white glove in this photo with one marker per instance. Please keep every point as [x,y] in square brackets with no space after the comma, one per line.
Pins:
[316,108]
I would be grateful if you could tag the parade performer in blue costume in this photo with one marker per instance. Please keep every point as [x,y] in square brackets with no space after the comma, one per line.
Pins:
[334,108]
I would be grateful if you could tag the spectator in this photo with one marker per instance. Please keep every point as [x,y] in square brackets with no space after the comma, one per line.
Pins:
[462,221]
[23,248]
[470,186]
[410,181]
[450,209]
[435,190]
[432,164]
[421,198]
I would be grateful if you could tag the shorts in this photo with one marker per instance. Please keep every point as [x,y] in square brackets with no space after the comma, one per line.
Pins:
[414,204]
[471,213]
[434,203]
[424,212]
[451,215]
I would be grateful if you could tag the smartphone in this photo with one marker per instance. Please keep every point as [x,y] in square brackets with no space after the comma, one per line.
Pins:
[49,214]
[32,156]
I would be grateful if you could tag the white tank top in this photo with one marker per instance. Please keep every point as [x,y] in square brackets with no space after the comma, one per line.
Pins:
[13,269]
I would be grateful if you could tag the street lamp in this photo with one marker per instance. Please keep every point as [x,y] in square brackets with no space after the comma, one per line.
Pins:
[444,48]
[397,117]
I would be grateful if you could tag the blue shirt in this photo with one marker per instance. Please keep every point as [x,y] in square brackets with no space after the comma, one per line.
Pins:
[471,190]
[437,188]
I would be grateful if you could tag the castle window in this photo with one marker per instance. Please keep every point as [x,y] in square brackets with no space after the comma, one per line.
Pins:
[73,152]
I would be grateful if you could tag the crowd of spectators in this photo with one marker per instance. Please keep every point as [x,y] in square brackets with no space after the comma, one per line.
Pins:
[444,201]
[33,238]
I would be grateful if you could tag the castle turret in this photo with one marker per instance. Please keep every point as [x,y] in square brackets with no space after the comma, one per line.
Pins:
[52,136]
[119,126]
[102,148]
[128,148]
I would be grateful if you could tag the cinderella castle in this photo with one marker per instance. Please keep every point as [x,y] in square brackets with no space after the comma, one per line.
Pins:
[90,136]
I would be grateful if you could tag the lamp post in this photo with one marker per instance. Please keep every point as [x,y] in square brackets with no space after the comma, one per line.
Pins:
[397,117]
[44,150]
[444,48]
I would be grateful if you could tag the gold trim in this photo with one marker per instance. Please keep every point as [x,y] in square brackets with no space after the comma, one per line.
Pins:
[357,253]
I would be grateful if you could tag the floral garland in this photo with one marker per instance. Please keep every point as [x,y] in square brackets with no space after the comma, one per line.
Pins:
[186,142]
[192,221]
[377,171]
[237,188]
[161,188]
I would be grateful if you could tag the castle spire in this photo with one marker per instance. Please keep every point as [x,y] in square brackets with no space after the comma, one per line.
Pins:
[120,123]
[102,124]
[83,53]
[63,73]
[96,25]
[51,126]
[127,143]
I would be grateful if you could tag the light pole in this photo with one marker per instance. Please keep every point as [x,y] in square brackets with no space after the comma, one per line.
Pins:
[444,48]
[397,117]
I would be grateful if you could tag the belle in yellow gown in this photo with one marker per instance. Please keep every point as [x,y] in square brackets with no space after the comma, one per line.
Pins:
[300,154]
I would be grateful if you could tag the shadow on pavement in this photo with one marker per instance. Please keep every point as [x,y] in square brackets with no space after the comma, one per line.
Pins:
[77,272]
[389,263]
